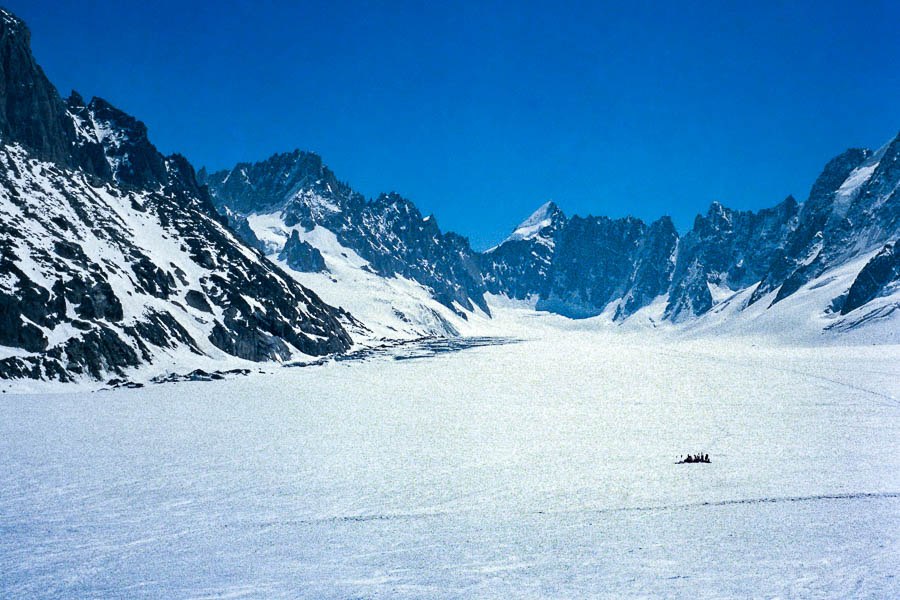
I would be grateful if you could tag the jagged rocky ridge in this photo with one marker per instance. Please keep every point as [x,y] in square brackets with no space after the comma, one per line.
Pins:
[301,256]
[389,232]
[112,256]
[584,266]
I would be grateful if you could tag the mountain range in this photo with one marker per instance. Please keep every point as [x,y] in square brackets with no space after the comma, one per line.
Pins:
[589,266]
[115,258]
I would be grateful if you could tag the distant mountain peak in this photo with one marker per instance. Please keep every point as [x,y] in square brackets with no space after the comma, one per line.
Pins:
[549,214]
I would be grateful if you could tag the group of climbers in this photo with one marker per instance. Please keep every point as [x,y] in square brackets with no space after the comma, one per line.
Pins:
[693,458]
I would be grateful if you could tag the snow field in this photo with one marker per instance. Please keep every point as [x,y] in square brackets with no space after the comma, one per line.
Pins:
[542,469]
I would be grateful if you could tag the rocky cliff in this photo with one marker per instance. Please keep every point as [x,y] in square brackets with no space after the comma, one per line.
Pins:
[113,257]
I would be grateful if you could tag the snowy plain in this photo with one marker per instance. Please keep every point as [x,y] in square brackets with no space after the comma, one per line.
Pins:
[537,469]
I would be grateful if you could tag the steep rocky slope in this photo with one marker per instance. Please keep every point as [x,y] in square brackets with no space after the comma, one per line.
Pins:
[112,256]
[389,232]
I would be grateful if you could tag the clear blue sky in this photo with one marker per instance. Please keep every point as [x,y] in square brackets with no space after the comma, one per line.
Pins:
[481,111]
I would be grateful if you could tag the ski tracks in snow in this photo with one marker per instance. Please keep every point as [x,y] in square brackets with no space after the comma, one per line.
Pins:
[890,400]
[414,516]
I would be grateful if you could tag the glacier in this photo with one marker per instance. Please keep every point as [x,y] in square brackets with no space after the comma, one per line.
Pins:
[543,468]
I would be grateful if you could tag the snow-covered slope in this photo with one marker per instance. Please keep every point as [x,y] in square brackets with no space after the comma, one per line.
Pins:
[97,280]
[389,232]
[113,260]
[385,307]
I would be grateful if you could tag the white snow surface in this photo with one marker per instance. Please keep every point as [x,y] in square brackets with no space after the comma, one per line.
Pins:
[390,307]
[857,178]
[540,469]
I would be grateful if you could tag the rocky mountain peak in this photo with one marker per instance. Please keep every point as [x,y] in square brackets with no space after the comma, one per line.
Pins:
[276,183]
[302,256]
[75,101]
[540,224]
[389,199]
[31,111]
[885,175]
[663,227]
[12,23]
[132,158]
[718,217]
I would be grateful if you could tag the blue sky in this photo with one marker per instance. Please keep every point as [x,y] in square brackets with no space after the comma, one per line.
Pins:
[481,111]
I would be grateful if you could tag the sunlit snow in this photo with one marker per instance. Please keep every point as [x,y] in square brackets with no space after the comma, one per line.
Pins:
[531,227]
[539,469]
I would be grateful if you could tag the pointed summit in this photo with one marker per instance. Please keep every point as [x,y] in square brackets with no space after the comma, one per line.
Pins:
[548,215]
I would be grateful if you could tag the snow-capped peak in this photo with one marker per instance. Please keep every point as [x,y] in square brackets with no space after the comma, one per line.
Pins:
[531,227]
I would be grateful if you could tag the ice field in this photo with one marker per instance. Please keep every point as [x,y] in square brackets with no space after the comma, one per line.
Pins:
[539,469]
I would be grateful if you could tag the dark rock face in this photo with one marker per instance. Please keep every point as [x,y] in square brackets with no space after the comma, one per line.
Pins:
[241,227]
[727,248]
[31,110]
[132,158]
[874,213]
[821,196]
[593,262]
[112,254]
[266,186]
[520,266]
[389,232]
[197,300]
[880,274]
[301,256]
[654,262]
[578,266]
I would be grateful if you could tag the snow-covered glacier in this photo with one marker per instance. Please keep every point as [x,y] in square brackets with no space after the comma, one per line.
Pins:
[543,468]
